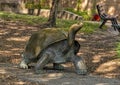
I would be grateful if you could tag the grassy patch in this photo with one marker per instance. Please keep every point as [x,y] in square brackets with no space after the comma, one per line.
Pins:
[27,19]
[63,24]
[84,14]
[88,27]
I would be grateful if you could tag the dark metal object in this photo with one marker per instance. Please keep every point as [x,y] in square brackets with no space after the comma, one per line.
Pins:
[104,16]
[54,53]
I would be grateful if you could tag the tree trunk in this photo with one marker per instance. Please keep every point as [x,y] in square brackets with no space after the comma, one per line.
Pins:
[53,13]
[39,8]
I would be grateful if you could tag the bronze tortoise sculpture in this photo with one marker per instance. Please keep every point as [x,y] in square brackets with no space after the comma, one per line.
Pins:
[59,52]
[38,41]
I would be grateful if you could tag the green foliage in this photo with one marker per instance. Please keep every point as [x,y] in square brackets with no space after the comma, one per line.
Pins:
[45,7]
[88,27]
[65,23]
[79,2]
[84,14]
[33,20]
[4,15]
[27,19]
[39,5]
[32,6]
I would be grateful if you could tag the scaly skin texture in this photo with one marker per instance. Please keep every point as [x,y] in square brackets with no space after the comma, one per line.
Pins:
[37,42]
[63,51]
[53,54]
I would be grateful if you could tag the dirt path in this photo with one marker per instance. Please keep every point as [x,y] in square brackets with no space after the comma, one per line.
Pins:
[53,78]
[98,50]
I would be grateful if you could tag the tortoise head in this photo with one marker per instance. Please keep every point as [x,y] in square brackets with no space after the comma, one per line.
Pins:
[75,28]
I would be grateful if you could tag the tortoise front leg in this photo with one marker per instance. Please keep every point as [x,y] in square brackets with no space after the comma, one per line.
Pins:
[79,65]
[41,63]
[23,64]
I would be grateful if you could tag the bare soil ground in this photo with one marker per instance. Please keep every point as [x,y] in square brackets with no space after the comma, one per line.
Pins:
[98,50]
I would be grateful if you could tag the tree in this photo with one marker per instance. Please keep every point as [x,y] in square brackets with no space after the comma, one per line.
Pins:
[31,5]
[93,10]
[78,6]
[53,13]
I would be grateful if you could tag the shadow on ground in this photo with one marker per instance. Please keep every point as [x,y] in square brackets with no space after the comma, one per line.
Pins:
[98,49]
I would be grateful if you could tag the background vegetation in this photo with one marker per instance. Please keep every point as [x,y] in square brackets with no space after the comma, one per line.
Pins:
[36,20]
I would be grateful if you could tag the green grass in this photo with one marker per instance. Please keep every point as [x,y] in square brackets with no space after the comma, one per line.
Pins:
[88,27]
[27,19]
[84,14]
[63,24]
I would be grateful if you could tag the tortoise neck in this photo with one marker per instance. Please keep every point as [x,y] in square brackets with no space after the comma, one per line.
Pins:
[72,32]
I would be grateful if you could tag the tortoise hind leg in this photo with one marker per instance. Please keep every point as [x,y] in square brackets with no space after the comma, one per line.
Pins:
[41,63]
[79,65]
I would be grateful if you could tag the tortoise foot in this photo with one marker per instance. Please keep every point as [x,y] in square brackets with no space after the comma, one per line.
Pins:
[23,65]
